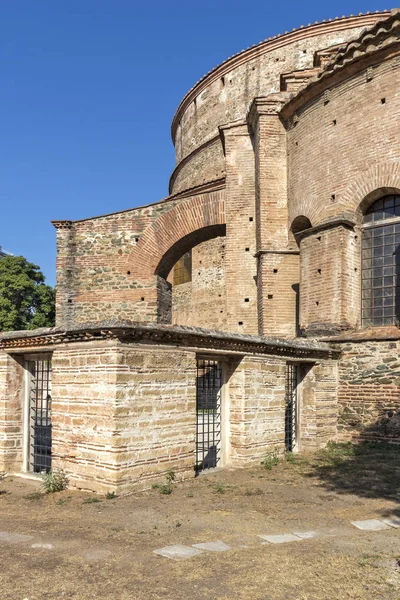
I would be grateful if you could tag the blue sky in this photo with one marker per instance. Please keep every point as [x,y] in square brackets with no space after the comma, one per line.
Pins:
[88,92]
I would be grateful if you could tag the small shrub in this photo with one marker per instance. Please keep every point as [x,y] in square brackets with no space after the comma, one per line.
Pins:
[55,481]
[170,476]
[290,457]
[220,488]
[189,495]
[111,495]
[166,489]
[270,460]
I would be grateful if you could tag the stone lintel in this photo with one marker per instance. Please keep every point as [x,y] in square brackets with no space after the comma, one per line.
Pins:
[153,333]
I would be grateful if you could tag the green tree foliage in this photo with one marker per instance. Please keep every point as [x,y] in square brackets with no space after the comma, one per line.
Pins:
[26,302]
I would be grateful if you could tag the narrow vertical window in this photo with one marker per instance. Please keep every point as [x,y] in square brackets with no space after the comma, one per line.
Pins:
[381,263]
[183,269]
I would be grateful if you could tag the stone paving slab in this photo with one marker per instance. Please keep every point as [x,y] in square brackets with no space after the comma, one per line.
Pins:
[178,552]
[392,521]
[307,535]
[217,546]
[370,525]
[14,538]
[281,539]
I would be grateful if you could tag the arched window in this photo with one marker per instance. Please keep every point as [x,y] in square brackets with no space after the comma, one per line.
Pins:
[381,263]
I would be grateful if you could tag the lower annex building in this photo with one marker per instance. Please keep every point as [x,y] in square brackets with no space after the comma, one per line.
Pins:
[255,307]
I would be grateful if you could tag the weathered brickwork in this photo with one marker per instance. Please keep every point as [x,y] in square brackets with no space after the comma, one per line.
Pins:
[257,408]
[124,409]
[330,288]
[225,95]
[369,391]
[202,301]
[11,412]
[349,142]
[280,152]
[206,164]
[107,266]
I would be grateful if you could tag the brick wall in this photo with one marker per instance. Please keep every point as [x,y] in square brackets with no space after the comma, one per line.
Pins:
[225,95]
[318,405]
[122,416]
[155,414]
[240,261]
[348,145]
[330,289]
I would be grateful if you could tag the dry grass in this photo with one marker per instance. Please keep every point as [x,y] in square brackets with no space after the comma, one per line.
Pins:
[104,550]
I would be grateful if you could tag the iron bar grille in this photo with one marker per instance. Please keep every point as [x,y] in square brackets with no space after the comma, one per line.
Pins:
[40,415]
[208,414]
[291,407]
[381,263]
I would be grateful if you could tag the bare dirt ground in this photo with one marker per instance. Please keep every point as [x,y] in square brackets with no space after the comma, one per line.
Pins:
[104,549]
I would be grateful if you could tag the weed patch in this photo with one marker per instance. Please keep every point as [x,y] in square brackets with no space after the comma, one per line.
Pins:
[92,500]
[54,481]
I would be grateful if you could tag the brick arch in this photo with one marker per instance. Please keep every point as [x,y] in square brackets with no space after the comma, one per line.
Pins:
[185,244]
[376,181]
[171,233]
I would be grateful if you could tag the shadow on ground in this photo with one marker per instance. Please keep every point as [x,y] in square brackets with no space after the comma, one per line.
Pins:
[368,469]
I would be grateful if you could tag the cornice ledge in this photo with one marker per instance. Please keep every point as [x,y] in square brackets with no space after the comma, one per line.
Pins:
[131,331]
[214,140]
[261,252]
[62,224]
[270,105]
[235,129]
[344,220]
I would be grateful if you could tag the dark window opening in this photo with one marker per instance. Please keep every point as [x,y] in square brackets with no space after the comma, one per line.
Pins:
[183,269]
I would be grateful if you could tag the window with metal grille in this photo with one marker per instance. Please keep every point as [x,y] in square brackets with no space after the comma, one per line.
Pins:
[291,406]
[208,414]
[381,263]
[40,436]
[183,269]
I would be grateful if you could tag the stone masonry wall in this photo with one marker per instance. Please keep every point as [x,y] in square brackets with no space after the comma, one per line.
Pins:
[369,391]
[106,266]
[12,389]
[202,301]
[122,416]
[83,413]
[257,408]
[155,416]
